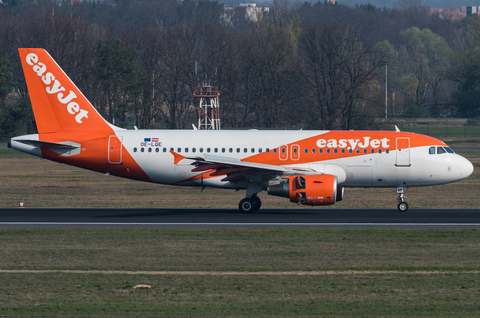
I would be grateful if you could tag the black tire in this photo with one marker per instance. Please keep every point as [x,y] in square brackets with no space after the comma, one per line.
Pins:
[247,205]
[403,206]
[257,202]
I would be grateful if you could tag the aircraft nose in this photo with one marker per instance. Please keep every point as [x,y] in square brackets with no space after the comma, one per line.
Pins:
[465,167]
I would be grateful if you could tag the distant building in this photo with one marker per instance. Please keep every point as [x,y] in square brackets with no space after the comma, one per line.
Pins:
[472,10]
[450,13]
[251,11]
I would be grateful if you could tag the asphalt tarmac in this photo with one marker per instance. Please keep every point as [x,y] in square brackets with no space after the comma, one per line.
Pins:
[232,218]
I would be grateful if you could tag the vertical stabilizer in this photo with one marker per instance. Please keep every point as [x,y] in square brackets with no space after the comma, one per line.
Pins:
[57,103]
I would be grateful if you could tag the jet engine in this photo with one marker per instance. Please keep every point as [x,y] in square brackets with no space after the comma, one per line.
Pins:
[307,189]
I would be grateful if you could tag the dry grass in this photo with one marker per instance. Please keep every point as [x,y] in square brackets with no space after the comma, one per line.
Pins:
[245,296]
[240,250]
[371,273]
[41,183]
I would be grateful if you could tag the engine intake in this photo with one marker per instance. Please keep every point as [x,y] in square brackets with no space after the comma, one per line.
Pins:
[308,189]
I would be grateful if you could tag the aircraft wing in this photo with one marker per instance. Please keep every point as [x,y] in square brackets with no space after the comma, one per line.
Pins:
[235,169]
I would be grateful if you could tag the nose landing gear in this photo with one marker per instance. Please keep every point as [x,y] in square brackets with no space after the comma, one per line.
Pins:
[402,205]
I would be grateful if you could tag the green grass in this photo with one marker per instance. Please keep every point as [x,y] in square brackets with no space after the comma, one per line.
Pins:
[240,250]
[257,296]
[453,293]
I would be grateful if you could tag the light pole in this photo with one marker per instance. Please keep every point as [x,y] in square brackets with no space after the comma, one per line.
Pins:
[386,95]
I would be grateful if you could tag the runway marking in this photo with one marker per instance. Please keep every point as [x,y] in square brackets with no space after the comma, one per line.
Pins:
[244,223]
[216,273]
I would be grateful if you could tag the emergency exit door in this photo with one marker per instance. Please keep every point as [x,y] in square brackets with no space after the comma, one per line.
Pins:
[403,152]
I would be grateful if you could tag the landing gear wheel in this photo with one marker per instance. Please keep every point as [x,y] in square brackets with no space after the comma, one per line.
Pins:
[256,202]
[403,206]
[247,205]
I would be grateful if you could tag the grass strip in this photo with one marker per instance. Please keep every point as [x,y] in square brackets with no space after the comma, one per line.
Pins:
[433,295]
[222,250]
[231,272]
[205,273]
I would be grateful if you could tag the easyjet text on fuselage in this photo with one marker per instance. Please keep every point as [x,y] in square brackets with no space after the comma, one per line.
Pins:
[365,142]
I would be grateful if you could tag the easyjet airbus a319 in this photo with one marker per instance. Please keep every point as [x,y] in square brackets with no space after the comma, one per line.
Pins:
[308,167]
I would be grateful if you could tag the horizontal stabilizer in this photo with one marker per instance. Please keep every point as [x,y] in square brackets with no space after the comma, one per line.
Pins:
[45,144]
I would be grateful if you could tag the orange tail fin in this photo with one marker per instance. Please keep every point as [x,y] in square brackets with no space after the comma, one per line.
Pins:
[57,103]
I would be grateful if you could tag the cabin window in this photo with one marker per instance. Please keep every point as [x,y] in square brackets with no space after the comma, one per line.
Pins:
[294,150]
[440,150]
[259,150]
[335,150]
[179,149]
[358,150]
[253,150]
[171,149]
[321,150]
[157,149]
[267,150]
[379,150]
[201,150]
[135,149]
[149,149]
[343,150]
[142,150]
[216,149]
[328,150]
[364,150]
[245,150]
[306,150]
[164,149]
[283,150]
[194,149]
[372,151]
[208,149]
[387,151]
[350,150]
[313,150]
[186,149]
[238,149]
[275,150]
[230,150]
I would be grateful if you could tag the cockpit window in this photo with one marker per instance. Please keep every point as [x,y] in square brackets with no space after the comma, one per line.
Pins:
[431,150]
[449,150]
[440,150]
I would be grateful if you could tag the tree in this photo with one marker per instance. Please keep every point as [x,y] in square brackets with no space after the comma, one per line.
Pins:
[426,54]
[467,76]
[118,75]
[6,83]
[338,64]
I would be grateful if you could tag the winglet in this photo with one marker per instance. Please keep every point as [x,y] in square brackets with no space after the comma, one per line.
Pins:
[177,157]
[396,129]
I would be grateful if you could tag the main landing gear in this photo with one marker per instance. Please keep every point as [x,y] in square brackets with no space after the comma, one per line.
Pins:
[402,205]
[250,204]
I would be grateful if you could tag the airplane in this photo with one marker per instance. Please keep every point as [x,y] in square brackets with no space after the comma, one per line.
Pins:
[307,167]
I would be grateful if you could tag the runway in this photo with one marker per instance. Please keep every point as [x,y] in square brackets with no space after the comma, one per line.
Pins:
[232,218]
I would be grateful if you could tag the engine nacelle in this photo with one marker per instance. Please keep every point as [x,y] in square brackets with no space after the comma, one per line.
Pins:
[307,189]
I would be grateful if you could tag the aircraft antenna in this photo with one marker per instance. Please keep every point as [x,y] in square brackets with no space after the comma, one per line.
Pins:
[209,104]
